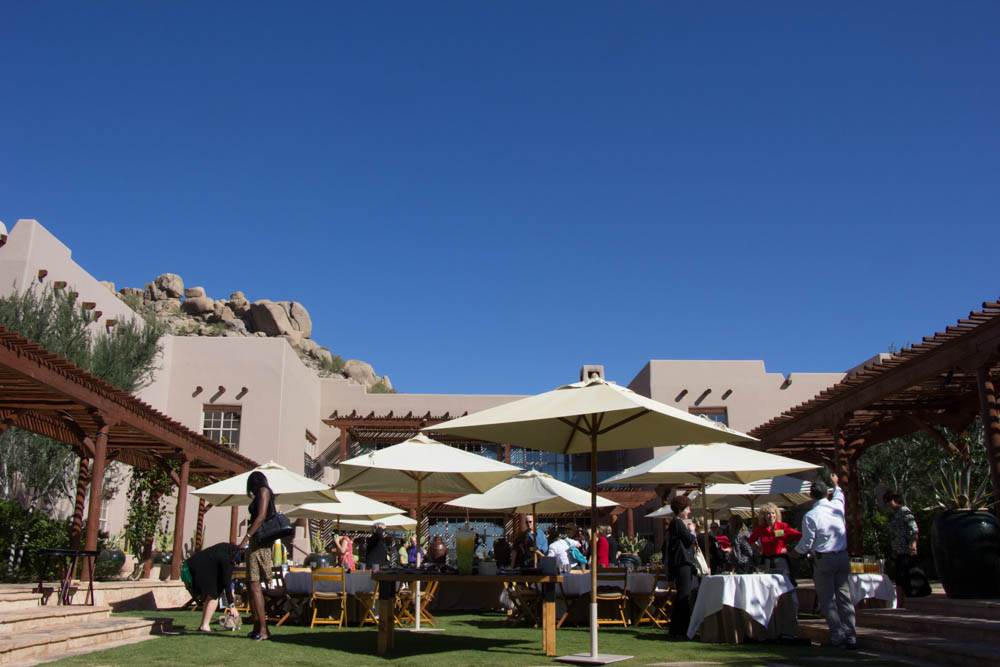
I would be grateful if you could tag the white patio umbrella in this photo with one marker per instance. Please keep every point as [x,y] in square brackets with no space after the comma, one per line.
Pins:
[700,465]
[589,416]
[350,504]
[430,466]
[289,488]
[533,492]
[394,521]
[782,490]
[723,512]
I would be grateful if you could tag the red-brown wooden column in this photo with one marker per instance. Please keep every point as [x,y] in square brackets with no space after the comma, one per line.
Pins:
[852,499]
[234,522]
[96,490]
[630,522]
[182,490]
[991,427]
[199,531]
[82,482]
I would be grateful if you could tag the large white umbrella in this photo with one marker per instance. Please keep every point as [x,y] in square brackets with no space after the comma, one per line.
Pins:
[394,521]
[589,416]
[289,488]
[350,504]
[533,492]
[782,490]
[700,465]
[429,465]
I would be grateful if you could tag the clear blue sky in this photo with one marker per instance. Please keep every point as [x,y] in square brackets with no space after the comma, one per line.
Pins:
[480,197]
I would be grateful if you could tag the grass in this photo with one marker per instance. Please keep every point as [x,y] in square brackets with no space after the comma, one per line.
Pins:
[469,639]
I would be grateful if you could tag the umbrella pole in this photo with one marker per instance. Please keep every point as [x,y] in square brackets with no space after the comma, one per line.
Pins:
[534,534]
[593,547]
[416,584]
[704,513]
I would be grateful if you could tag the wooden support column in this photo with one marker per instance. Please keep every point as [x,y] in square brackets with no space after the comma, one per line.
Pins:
[234,520]
[82,482]
[199,531]
[852,499]
[96,489]
[630,522]
[343,444]
[991,427]
[182,490]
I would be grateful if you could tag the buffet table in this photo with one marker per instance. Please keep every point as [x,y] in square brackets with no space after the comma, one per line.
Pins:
[387,594]
[872,586]
[732,607]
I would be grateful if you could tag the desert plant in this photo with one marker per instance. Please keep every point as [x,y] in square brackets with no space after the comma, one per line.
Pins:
[632,545]
[380,388]
[955,490]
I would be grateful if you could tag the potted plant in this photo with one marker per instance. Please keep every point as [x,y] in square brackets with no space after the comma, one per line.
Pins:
[631,547]
[965,538]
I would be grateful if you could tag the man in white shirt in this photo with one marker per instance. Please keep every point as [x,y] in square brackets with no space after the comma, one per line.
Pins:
[824,533]
[560,548]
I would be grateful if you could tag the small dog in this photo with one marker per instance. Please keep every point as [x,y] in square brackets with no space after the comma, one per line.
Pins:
[231,623]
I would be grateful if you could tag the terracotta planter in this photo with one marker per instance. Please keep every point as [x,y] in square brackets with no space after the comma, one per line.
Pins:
[966,548]
[437,552]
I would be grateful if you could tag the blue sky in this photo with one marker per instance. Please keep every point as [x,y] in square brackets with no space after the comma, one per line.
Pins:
[480,197]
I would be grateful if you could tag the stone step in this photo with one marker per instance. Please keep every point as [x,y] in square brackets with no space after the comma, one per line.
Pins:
[927,649]
[949,627]
[36,646]
[9,601]
[49,616]
[941,604]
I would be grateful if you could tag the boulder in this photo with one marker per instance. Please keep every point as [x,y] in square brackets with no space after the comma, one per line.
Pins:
[237,326]
[171,284]
[167,306]
[270,318]
[385,381]
[131,291]
[294,339]
[299,317]
[322,354]
[193,292]
[153,293]
[308,346]
[225,313]
[198,305]
[110,286]
[239,304]
[360,372]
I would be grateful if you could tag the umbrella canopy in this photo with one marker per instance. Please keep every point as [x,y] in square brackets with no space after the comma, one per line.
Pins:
[427,465]
[783,491]
[395,521]
[589,416]
[714,513]
[289,488]
[351,505]
[534,492]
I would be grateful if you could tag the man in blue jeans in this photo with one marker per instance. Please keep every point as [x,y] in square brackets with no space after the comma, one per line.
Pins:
[824,533]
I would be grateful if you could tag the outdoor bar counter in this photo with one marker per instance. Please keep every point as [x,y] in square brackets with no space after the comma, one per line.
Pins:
[387,596]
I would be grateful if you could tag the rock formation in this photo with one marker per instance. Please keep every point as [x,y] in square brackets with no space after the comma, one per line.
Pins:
[191,312]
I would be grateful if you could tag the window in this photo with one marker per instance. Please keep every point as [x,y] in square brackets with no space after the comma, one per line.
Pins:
[222,424]
[310,445]
[715,414]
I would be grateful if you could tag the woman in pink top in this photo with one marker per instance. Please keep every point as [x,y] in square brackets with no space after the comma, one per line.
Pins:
[343,548]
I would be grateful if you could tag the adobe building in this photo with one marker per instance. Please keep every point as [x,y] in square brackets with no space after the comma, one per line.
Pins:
[257,396]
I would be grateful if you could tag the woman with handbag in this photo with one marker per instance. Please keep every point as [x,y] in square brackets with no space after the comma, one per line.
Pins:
[259,558]
[678,558]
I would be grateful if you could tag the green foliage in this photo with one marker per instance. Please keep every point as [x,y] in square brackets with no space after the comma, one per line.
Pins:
[132,300]
[955,490]
[126,356]
[631,545]
[380,388]
[335,366]
[145,509]
[41,531]
[51,318]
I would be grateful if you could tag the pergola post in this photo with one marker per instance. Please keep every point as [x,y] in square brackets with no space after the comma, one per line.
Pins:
[234,518]
[991,427]
[846,467]
[343,444]
[630,522]
[178,552]
[96,488]
[82,481]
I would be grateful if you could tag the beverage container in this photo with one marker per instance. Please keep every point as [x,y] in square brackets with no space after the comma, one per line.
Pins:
[465,542]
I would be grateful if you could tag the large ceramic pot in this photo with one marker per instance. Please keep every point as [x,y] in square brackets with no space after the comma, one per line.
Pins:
[315,560]
[109,564]
[966,548]
[629,561]
[437,552]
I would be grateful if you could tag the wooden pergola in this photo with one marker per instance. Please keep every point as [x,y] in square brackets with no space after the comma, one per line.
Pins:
[945,381]
[45,394]
[371,429]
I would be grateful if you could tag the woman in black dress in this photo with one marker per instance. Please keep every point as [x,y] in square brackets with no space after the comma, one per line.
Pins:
[211,573]
[259,557]
[678,559]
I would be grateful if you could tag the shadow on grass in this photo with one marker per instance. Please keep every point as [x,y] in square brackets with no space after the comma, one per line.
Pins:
[405,644]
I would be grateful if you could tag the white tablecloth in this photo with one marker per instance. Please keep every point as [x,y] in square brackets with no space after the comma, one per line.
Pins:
[579,583]
[877,586]
[756,594]
[354,582]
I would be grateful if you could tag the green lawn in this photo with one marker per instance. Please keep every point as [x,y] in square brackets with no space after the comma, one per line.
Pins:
[470,639]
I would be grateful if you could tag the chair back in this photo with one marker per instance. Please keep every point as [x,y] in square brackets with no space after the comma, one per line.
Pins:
[330,579]
[613,579]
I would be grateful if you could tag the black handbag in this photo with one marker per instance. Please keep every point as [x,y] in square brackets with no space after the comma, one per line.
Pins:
[277,527]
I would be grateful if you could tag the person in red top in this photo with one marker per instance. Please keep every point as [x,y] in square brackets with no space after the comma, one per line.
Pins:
[602,549]
[773,534]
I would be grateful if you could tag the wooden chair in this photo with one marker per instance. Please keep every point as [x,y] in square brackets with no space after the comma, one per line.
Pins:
[240,592]
[405,614]
[527,603]
[369,606]
[295,603]
[663,597]
[331,591]
[641,597]
[275,596]
[571,602]
[613,592]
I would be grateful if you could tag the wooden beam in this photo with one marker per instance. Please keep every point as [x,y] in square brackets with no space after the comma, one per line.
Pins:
[991,429]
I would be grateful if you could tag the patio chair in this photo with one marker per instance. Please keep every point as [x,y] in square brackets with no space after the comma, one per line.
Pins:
[614,592]
[663,597]
[526,600]
[296,602]
[275,596]
[571,602]
[369,606]
[641,595]
[240,592]
[405,603]
[329,592]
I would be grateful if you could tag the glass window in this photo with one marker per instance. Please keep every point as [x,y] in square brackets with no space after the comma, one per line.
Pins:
[715,414]
[222,424]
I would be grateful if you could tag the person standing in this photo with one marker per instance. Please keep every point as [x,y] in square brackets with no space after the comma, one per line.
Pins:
[903,534]
[824,535]
[678,562]
[259,557]
[377,548]
[211,572]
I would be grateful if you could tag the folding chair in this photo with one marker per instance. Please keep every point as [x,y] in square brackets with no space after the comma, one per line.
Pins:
[663,597]
[369,606]
[571,602]
[526,601]
[294,602]
[330,590]
[641,593]
[275,597]
[614,592]
[240,591]
[405,603]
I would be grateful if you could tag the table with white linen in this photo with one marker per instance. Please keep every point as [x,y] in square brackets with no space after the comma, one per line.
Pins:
[754,595]
[576,591]
[878,586]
